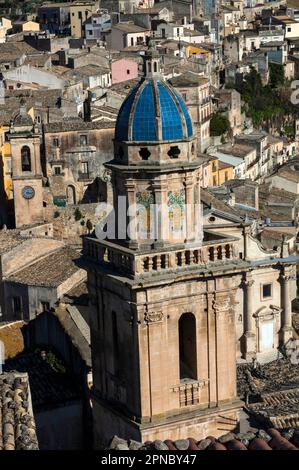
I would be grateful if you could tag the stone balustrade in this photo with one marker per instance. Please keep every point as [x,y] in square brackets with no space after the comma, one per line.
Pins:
[134,263]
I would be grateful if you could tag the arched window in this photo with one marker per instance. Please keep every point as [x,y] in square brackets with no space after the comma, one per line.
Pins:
[115,345]
[149,67]
[187,346]
[26,158]
[155,67]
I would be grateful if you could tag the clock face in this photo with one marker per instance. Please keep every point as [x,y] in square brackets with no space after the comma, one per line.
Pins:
[28,192]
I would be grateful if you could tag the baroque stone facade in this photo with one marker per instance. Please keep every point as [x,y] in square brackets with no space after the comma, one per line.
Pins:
[172,313]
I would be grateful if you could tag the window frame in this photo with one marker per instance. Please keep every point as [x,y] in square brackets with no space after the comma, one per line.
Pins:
[266,297]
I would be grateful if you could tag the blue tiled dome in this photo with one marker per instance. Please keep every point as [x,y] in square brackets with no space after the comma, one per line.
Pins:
[153,112]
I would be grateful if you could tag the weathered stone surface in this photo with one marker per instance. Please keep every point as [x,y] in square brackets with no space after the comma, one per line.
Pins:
[204,444]
[135,445]
[117,441]
[182,444]
[288,434]
[264,435]
[226,437]
[160,445]
[122,447]
[248,436]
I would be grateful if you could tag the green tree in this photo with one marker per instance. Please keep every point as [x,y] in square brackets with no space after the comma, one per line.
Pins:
[77,214]
[219,124]
[276,75]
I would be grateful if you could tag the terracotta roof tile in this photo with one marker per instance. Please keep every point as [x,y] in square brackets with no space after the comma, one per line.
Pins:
[260,440]
[17,426]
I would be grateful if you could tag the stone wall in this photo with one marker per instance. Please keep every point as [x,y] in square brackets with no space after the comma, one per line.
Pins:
[68,229]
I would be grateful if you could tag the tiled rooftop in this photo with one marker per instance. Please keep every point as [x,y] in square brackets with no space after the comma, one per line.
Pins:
[49,385]
[17,426]
[9,240]
[77,125]
[259,440]
[50,271]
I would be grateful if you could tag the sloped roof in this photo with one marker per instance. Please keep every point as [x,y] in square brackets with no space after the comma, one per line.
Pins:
[271,439]
[17,429]
[50,271]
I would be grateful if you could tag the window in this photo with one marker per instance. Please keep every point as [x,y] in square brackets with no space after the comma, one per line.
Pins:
[267,291]
[57,170]
[56,141]
[163,32]
[289,30]
[16,304]
[144,153]
[184,95]
[178,31]
[26,158]
[80,15]
[214,181]
[132,41]
[83,140]
[128,72]
[174,152]
[90,32]
[187,346]
[84,167]
[214,168]
[226,175]
[155,67]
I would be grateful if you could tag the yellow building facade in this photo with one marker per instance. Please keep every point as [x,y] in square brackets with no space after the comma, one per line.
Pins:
[220,172]
[6,169]
[193,49]
[80,11]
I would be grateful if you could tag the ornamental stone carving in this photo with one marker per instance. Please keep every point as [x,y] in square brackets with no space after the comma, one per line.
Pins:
[221,305]
[153,316]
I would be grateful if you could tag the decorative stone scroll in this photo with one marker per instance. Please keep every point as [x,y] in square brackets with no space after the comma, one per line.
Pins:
[153,316]
[222,305]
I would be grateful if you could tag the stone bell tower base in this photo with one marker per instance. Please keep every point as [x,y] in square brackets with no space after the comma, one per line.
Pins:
[197,424]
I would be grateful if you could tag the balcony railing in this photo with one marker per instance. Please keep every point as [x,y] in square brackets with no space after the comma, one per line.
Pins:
[189,391]
[140,264]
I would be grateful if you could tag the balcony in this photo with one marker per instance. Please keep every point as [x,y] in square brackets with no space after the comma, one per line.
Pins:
[189,391]
[134,263]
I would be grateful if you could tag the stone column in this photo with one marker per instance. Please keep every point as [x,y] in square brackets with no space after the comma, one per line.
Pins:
[131,219]
[249,327]
[161,217]
[189,200]
[286,331]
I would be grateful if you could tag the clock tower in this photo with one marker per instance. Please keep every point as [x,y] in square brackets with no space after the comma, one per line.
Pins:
[25,141]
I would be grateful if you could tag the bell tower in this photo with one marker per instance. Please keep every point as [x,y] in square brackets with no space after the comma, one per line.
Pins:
[25,143]
[162,322]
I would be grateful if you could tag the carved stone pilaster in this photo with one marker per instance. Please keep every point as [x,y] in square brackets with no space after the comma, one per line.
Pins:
[286,331]
[249,335]
[221,305]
